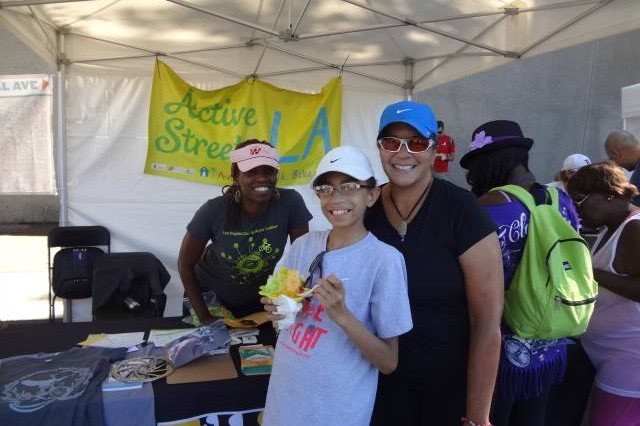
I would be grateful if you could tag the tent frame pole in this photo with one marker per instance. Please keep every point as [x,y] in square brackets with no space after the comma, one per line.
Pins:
[61,130]
[409,63]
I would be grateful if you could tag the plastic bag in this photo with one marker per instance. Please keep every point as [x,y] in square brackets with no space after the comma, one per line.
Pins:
[203,341]
[214,307]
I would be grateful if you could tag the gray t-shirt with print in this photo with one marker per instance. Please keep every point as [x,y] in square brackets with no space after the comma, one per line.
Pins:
[319,376]
[240,258]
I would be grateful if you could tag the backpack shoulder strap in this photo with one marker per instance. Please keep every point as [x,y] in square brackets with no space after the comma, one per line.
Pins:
[520,193]
[555,196]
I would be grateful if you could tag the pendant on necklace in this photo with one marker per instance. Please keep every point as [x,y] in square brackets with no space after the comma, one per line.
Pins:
[402,230]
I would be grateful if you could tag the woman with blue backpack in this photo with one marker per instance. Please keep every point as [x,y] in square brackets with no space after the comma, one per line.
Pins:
[498,155]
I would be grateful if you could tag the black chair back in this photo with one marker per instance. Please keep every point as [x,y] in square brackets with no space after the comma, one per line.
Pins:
[71,269]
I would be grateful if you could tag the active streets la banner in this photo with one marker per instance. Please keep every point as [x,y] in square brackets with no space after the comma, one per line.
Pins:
[192,131]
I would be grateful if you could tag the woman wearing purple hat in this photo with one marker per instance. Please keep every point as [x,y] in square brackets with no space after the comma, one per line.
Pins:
[247,227]
[499,155]
[448,361]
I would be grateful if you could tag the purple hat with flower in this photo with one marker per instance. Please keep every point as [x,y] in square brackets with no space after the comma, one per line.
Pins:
[494,135]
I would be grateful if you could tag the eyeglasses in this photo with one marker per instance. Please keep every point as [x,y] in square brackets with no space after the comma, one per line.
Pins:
[326,190]
[414,145]
[316,263]
[579,202]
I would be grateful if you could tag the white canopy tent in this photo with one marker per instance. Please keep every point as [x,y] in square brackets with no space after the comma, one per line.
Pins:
[104,51]
[408,45]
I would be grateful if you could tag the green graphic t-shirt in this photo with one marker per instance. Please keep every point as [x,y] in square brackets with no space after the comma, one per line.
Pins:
[239,259]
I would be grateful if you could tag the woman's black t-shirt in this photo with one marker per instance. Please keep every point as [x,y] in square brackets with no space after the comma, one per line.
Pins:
[449,222]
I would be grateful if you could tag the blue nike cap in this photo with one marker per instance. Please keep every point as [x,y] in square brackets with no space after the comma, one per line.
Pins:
[419,116]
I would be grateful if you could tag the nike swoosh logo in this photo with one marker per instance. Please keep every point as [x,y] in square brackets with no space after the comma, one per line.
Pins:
[333,161]
[400,111]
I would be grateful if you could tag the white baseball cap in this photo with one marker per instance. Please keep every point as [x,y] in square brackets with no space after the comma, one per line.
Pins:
[345,159]
[574,162]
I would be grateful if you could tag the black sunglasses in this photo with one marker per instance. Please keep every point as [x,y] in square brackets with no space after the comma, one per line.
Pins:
[316,263]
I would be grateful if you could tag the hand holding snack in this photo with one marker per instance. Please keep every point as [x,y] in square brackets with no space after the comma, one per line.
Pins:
[283,289]
[271,308]
[330,293]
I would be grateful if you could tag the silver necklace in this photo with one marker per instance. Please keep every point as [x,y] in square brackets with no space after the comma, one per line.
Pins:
[402,228]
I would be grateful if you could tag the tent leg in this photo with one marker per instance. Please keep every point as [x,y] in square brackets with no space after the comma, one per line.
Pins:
[61,132]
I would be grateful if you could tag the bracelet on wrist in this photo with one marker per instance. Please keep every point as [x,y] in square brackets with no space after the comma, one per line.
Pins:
[466,422]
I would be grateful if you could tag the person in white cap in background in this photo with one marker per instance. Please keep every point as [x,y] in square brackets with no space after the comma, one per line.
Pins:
[570,166]
[326,364]
[247,226]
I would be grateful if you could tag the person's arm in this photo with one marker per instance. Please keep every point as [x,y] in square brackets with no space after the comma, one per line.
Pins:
[190,251]
[452,152]
[299,216]
[624,285]
[483,274]
[626,262]
[381,353]
[298,232]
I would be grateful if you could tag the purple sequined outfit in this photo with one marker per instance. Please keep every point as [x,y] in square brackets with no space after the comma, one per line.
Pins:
[527,366]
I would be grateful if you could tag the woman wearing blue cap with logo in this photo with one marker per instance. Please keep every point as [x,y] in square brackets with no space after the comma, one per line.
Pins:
[448,361]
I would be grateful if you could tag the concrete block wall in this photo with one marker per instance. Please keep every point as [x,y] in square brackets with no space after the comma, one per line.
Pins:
[29,208]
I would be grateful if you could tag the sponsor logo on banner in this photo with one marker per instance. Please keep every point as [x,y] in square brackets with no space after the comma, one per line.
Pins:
[193,131]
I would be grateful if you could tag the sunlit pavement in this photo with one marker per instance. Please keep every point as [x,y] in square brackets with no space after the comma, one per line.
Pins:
[24,284]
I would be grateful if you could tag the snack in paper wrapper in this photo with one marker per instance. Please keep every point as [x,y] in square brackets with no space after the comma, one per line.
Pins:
[283,288]
[289,308]
[286,282]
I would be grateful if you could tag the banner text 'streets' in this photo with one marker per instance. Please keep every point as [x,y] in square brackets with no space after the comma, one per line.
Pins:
[192,131]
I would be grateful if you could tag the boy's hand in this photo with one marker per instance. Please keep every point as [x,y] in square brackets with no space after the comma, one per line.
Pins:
[330,294]
[271,309]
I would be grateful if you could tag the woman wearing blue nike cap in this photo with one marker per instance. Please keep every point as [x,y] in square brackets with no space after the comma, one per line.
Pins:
[448,361]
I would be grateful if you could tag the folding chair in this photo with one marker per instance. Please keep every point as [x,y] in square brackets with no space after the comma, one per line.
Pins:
[71,269]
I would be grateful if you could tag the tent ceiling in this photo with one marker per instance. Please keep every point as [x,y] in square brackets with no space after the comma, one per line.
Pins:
[395,44]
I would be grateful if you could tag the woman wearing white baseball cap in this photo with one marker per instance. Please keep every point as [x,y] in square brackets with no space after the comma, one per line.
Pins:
[348,329]
[247,228]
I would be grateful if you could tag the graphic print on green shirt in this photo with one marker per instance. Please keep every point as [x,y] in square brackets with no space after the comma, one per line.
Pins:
[252,255]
